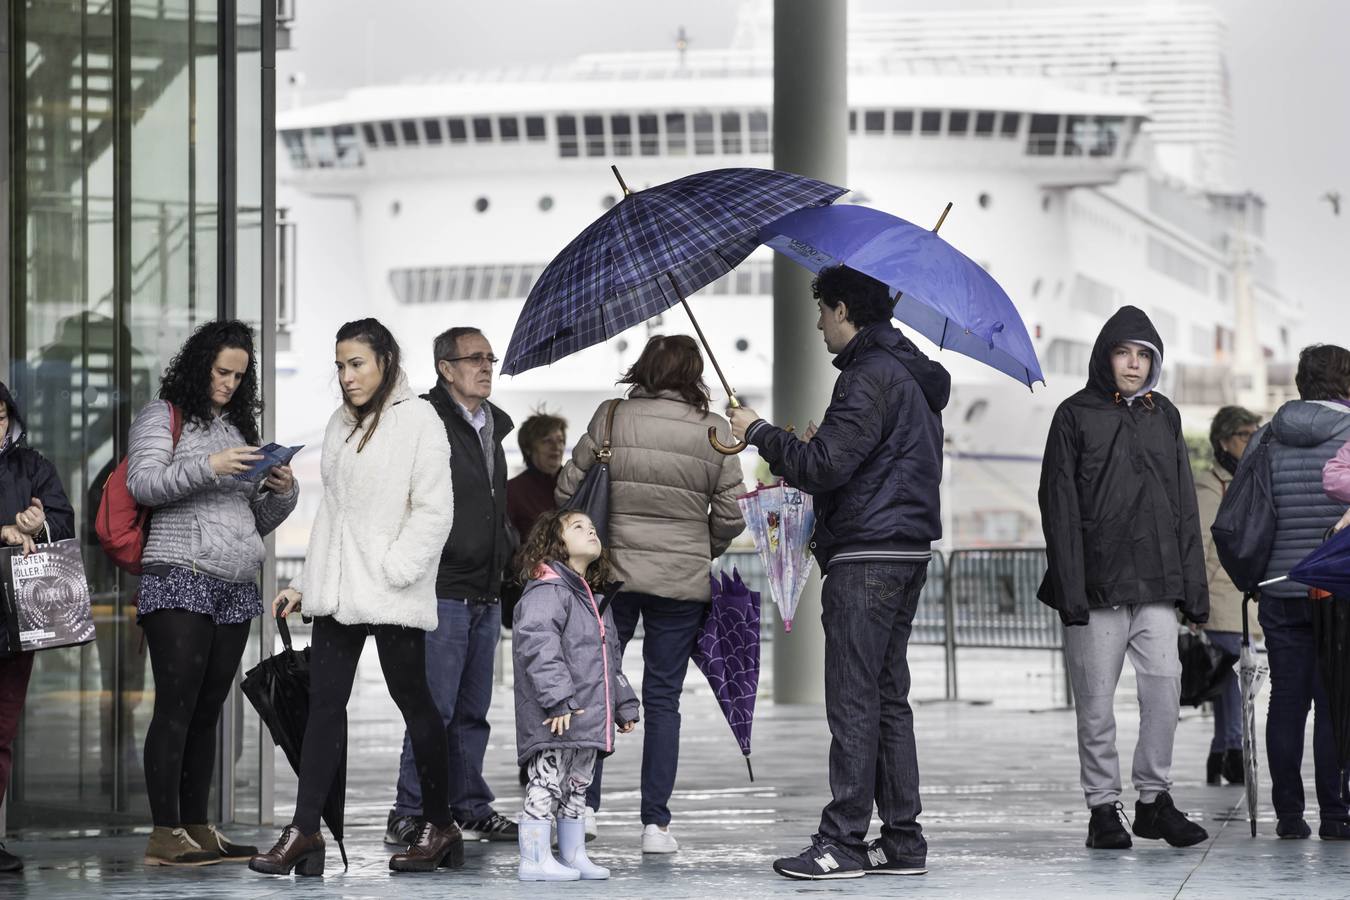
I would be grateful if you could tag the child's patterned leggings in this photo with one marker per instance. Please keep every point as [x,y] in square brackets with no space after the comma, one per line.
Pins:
[558,781]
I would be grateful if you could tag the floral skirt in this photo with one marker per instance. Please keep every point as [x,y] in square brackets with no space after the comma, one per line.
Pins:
[226,602]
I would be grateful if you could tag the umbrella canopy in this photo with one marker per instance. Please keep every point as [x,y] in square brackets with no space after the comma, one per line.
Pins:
[727,653]
[941,293]
[278,688]
[1327,567]
[648,252]
[780,520]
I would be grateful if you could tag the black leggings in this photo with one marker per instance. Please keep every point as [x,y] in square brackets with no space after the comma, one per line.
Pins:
[194,661]
[335,649]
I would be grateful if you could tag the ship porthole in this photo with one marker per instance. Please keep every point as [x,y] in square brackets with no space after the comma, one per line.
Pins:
[545,203]
[481,204]
[607,201]
[983,200]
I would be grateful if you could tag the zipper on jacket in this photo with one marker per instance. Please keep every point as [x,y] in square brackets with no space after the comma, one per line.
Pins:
[604,658]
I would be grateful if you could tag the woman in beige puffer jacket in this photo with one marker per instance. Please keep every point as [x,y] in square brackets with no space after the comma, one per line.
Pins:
[672,511]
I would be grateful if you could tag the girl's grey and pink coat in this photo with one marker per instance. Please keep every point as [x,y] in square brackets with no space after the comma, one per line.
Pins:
[567,657]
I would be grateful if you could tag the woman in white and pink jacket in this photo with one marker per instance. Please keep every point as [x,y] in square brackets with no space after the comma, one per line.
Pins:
[1336,481]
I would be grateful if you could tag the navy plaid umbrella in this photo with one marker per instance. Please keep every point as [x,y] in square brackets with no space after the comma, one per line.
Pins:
[650,251]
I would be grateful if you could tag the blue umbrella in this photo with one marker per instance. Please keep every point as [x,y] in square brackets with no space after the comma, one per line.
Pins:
[648,252]
[940,292]
[1327,567]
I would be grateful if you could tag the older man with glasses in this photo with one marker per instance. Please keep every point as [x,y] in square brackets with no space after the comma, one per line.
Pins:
[468,587]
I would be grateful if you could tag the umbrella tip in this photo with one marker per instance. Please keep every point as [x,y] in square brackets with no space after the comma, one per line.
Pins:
[622,184]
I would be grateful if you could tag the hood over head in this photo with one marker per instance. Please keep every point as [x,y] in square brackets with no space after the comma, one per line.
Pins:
[1129,325]
[931,376]
[17,428]
[1308,423]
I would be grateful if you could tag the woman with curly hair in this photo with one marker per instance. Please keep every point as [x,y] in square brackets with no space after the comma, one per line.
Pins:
[199,590]
[570,690]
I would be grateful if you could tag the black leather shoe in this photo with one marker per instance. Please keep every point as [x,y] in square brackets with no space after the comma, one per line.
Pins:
[1162,820]
[1233,769]
[1105,830]
[293,850]
[433,848]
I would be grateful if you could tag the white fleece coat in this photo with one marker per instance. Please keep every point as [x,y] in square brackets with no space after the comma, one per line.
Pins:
[383,520]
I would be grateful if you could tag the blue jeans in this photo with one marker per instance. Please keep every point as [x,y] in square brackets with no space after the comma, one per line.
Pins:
[460,656]
[1228,705]
[671,630]
[868,611]
[1296,685]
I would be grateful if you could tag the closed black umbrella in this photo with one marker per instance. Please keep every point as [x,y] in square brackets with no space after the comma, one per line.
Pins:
[1331,631]
[278,688]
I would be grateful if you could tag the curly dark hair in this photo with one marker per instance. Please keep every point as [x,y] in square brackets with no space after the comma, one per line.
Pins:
[186,382]
[545,545]
[868,300]
[1323,372]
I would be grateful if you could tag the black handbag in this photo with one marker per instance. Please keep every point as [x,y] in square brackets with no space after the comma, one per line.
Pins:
[1244,529]
[592,496]
[1204,668]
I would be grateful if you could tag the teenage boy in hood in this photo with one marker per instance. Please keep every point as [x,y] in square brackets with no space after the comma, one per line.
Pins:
[1122,536]
[33,505]
[873,469]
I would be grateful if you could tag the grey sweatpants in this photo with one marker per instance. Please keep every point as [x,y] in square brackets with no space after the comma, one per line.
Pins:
[1095,654]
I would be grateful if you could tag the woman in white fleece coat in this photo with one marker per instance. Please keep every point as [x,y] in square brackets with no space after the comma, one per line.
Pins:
[371,570]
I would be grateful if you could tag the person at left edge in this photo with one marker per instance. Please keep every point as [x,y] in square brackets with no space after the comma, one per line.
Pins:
[32,503]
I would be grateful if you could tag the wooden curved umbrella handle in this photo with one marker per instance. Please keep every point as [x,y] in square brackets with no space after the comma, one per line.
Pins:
[724,449]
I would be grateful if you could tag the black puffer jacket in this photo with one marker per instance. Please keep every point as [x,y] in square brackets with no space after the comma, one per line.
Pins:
[875,463]
[25,474]
[1117,499]
[476,553]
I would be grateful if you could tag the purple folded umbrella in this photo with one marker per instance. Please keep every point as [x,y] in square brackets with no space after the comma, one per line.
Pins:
[727,653]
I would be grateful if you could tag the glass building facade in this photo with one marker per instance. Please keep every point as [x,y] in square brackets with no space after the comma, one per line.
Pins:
[139,202]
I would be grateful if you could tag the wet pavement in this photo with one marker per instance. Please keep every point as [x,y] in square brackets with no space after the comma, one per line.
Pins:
[1002,812]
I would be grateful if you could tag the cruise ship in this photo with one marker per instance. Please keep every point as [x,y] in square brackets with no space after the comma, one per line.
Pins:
[1087,152]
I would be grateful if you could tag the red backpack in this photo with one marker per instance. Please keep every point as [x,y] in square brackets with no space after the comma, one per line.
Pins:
[123,524]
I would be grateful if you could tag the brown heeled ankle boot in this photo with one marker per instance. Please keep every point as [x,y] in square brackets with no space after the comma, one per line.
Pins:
[434,847]
[293,850]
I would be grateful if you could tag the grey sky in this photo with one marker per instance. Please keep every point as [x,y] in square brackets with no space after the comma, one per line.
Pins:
[1287,60]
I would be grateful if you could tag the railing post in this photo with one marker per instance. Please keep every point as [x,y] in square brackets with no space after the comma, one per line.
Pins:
[949,622]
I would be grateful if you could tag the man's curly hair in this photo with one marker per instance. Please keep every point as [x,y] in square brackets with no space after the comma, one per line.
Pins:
[186,382]
[545,545]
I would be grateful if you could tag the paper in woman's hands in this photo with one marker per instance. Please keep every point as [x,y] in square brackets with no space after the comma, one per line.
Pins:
[273,455]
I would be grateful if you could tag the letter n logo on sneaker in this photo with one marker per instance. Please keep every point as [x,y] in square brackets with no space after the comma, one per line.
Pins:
[827,862]
[876,856]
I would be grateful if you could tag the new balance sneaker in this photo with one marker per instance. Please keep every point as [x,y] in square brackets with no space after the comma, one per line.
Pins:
[1161,819]
[656,839]
[401,831]
[492,827]
[880,862]
[820,862]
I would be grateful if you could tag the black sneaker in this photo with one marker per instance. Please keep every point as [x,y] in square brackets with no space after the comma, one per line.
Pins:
[1161,819]
[1292,828]
[1105,831]
[9,862]
[820,862]
[879,862]
[401,831]
[492,827]
[1334,830]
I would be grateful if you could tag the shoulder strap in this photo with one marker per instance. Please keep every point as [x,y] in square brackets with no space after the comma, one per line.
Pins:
[604,452]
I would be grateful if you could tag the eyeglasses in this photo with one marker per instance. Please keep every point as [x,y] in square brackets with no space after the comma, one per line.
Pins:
[478,360]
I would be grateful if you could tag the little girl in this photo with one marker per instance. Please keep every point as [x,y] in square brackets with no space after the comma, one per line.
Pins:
[570,692]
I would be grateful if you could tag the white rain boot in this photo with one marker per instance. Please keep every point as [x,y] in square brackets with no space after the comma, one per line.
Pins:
[572,849]
[536,856]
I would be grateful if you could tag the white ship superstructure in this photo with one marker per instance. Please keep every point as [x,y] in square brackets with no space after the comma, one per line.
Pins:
[450,197]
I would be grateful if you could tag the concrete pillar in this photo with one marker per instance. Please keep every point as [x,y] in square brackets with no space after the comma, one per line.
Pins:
[810,134]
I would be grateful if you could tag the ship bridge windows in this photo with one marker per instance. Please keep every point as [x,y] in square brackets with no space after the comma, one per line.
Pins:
[409,130]
[338,147]
[431,129]
[594,129]
[902,121]
[482,129]
[731,132]
[930,122]
[1043,138]
[760,139]
[649,137]
[621,135]
[457,131]
[1008,128]
[566,126]
[508,128]
[874,122]
[984,123]
[704,144]
[677,141]
[534,128]
[372,139]
[958,122]
[388,137]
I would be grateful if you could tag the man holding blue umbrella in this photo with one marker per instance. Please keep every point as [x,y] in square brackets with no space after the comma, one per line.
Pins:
[873,468]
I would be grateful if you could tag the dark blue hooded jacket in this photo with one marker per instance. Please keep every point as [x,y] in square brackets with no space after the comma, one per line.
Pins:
[24,474]
[874,466]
